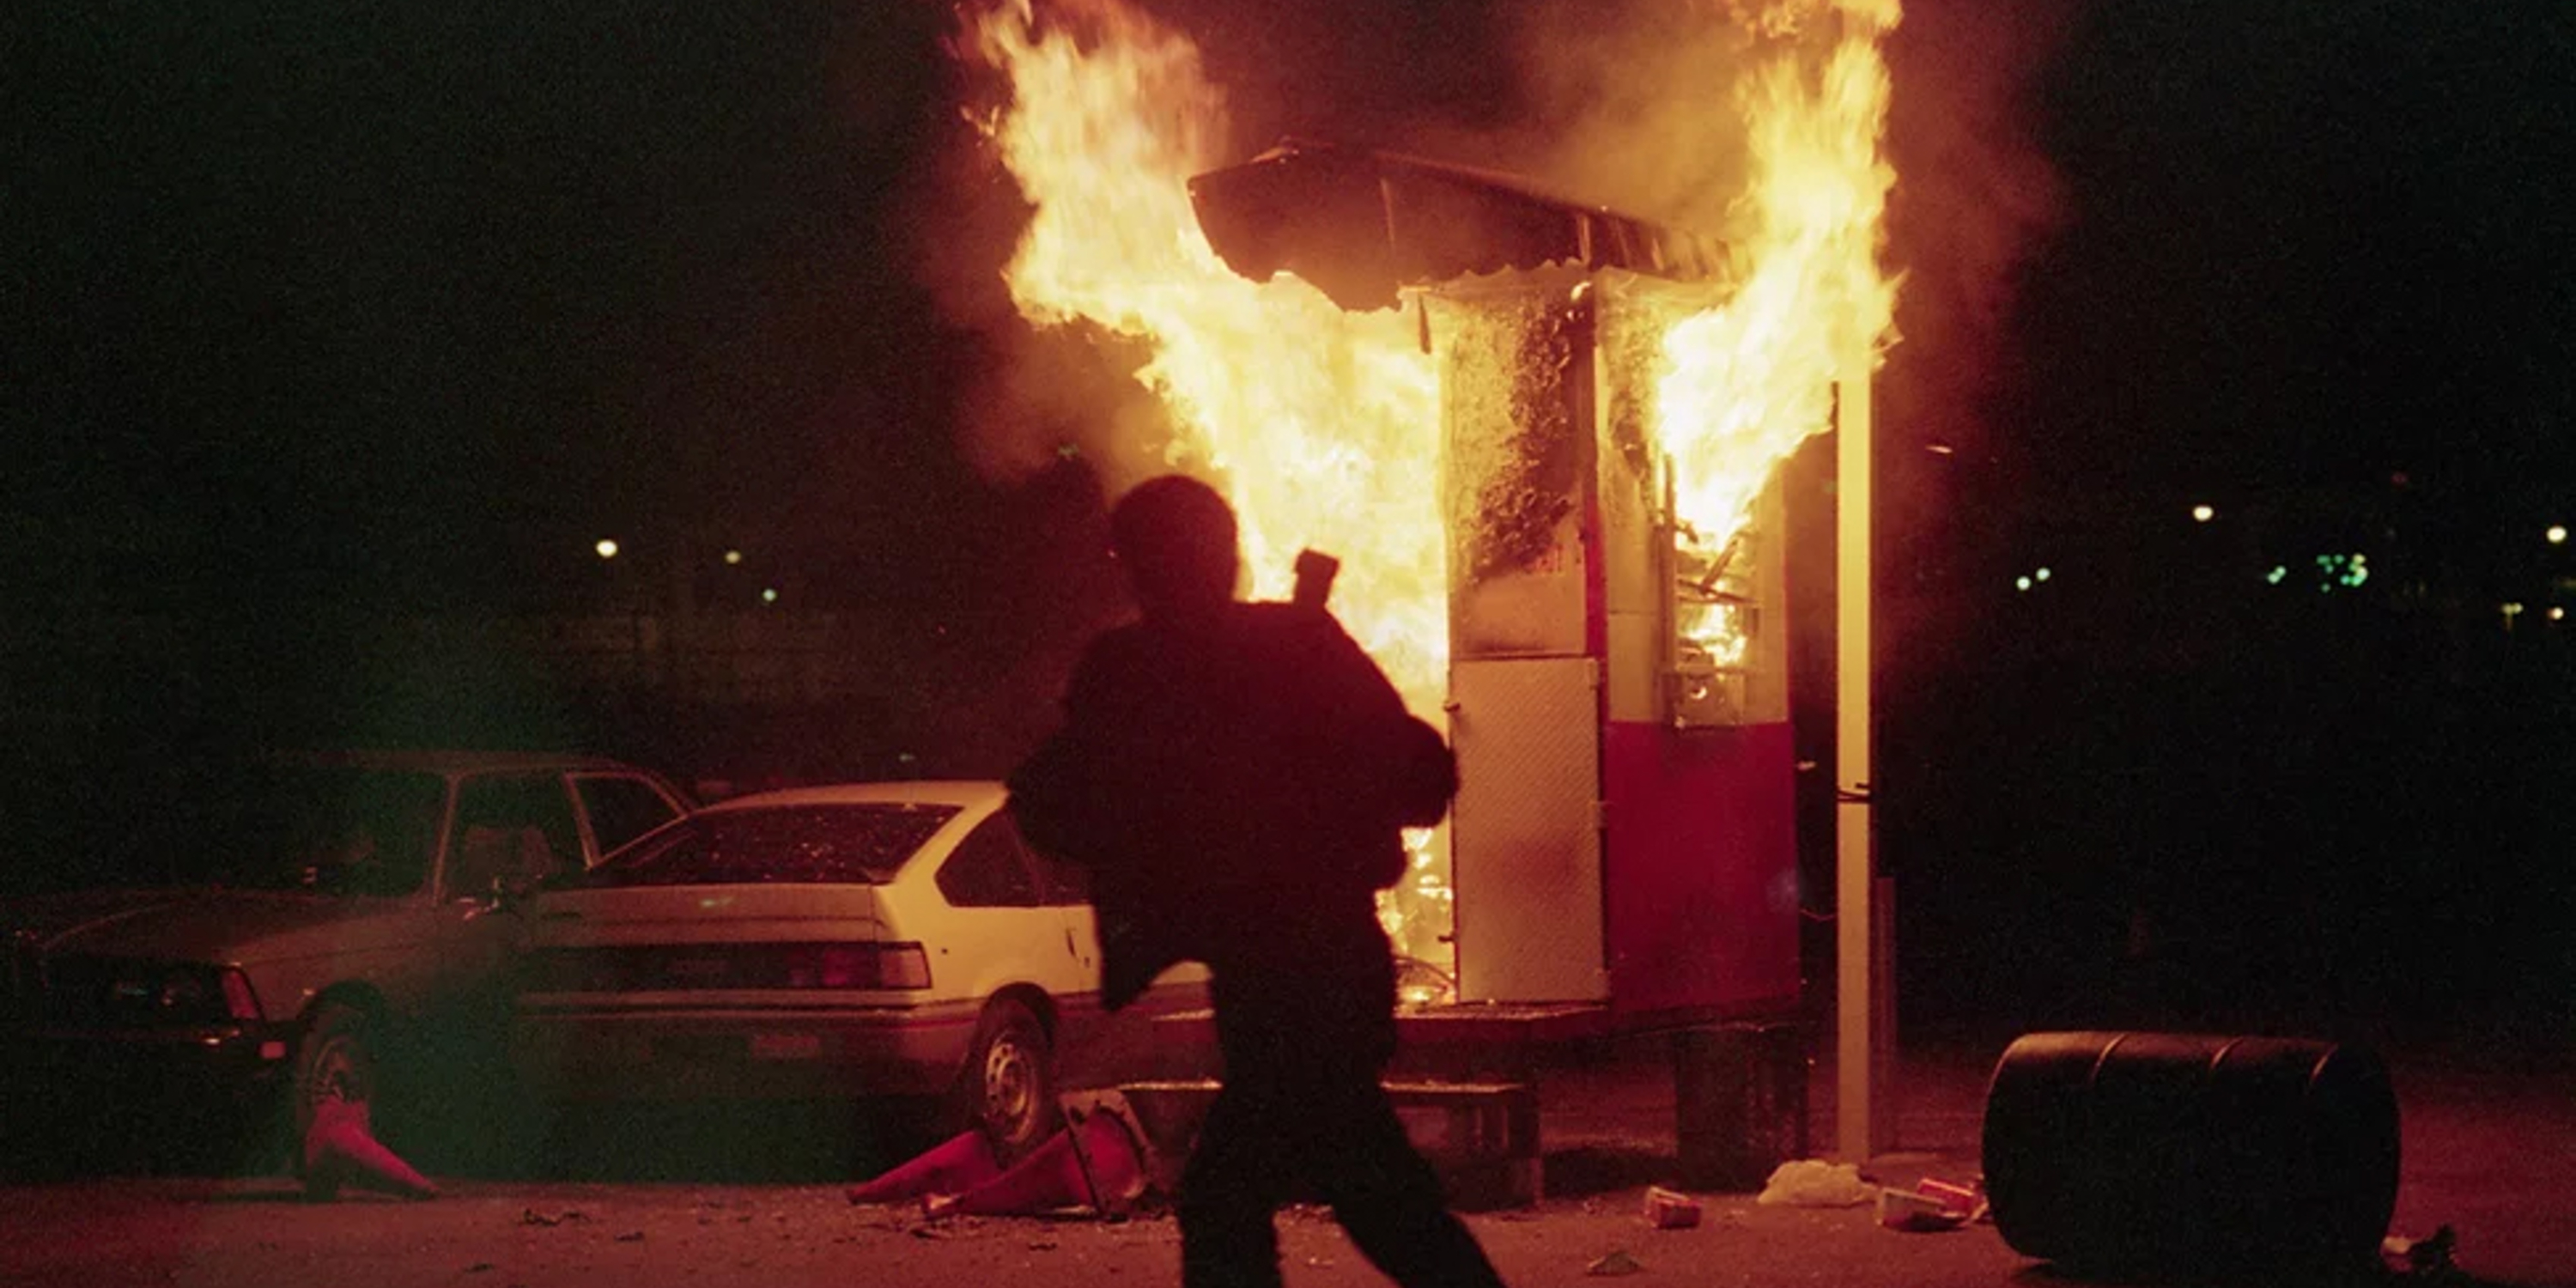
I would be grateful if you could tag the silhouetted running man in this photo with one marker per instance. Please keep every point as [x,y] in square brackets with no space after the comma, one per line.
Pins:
[1236,775]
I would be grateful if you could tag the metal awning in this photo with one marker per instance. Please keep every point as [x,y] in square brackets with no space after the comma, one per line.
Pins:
[1361,224]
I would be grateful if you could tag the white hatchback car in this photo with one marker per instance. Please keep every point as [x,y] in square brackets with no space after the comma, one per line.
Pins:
[862,940]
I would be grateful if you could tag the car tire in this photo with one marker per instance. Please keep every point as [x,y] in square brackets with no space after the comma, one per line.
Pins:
[336,1060]
[1007,1088]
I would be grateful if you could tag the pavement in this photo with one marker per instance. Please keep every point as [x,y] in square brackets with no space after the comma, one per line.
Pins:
[2489,1147]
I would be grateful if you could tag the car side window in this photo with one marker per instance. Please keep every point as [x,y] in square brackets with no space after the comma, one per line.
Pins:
[1063,884]
[516,829]
[989,869]
[621,807]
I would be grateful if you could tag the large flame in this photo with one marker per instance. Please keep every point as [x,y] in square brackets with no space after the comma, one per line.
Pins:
[1323,426]
[1751,379]
[1317,423]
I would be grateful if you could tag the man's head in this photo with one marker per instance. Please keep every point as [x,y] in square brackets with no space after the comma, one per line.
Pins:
[1175,537]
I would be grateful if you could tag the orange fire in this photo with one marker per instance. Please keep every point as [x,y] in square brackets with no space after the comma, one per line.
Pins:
[1322,425]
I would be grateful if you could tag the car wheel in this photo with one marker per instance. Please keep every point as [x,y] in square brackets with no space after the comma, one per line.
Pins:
[336,1061]
[1007,1089]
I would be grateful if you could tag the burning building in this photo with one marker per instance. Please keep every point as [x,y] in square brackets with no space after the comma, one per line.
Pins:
[1541,435]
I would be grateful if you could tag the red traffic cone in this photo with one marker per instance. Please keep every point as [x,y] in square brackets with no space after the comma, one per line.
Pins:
[1094,1163]
[1112,1160]
[955,1166]
[340,1150]
[1049,1178]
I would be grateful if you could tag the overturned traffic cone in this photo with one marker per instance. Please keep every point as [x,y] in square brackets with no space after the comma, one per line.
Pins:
[340,1150]
[1112,1153]
[1094,1163]
[955,1166]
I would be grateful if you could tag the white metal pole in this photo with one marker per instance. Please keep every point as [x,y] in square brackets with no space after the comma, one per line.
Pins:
[1860,1128]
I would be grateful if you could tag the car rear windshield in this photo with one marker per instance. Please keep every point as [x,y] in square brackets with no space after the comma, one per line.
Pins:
[790,844]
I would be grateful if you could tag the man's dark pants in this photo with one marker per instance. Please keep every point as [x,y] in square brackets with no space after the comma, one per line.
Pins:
[1302,1115]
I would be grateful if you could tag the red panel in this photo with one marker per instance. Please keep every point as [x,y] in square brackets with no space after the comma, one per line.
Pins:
[1702,858]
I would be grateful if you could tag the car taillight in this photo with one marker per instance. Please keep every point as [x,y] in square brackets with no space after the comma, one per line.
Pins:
[857,966]
[847,967]
[239,1001]
[902,966]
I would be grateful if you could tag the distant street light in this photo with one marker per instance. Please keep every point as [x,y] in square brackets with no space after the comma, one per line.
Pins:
[769,595]
[607,548]
[2557,534]
[733,556]
[2203,513]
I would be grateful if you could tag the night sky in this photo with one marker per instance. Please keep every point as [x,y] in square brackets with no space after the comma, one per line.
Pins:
[2313,244]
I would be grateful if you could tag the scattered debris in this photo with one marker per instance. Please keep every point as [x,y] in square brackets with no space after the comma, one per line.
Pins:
[1931,1206]
[1810,1182]
[2422,1256]
[531,1216]
[631,1236]
[1670,1209]
[1958,1196]
[1915,1213]
[1614,1262]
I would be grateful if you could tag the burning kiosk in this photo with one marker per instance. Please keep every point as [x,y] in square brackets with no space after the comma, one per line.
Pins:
[1622,853]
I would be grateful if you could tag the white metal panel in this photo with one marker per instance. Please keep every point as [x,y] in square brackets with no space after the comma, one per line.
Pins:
[1525,833]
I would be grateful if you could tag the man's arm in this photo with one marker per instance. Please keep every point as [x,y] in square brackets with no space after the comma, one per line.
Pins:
[1392,765]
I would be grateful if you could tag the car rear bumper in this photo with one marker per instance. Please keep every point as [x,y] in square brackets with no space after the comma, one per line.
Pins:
[670,1054]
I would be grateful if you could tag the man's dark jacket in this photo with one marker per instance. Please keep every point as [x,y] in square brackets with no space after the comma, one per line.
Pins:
[1236,780]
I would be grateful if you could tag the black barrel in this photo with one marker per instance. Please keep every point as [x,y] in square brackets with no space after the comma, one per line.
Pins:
[2163,1151]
